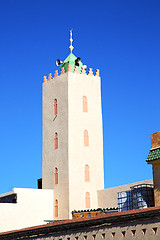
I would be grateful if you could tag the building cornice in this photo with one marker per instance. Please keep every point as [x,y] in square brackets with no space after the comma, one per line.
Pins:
[82,223]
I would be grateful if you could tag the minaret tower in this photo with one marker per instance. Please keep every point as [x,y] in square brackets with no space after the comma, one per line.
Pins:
[72,137]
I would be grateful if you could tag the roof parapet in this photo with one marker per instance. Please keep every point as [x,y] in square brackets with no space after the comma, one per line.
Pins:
[45,79]
[50,76]
[97,73]
[62,70]
[69,68]
[90,72]
[83,71]
[76,70]
[56,74]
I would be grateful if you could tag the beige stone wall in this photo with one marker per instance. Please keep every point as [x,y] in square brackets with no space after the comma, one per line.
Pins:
[56,88]
[80,155]
[71,156]
[155,140]
[107,198]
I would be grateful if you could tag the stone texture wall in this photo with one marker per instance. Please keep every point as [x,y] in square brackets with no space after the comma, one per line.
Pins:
[137,231]
[155,140]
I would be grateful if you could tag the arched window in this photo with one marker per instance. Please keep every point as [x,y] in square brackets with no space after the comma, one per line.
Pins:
[85,105]
[56,208]
[87,175]
[87,200]
[56,175]
[86,138]
[55,140]
[55,106]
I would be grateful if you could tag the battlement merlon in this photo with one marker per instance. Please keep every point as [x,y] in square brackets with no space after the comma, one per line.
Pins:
[76,71]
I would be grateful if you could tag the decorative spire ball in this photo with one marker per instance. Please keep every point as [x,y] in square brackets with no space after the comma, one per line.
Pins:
[71,40]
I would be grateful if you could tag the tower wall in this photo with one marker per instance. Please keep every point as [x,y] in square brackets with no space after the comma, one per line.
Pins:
[72,155]
[56,88]
[79,155]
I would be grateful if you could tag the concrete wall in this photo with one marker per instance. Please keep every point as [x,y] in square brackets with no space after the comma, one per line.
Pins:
[107,198]
[32,208]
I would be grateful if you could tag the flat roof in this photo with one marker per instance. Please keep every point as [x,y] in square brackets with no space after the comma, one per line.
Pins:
[6,194]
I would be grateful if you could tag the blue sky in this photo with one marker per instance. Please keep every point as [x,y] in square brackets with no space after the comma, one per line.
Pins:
[121,38]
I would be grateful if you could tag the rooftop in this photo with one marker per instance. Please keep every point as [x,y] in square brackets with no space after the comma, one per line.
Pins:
[154,154]
[66,225]
[71,59]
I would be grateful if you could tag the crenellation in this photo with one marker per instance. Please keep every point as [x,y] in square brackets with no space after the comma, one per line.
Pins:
[62,70]
[50,76]
[44,78]
[83,71]
[56,74]
[97,73]
[90,72]
[76,70]
[69,68]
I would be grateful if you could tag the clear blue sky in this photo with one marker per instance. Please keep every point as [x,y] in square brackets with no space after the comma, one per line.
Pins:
[121,38]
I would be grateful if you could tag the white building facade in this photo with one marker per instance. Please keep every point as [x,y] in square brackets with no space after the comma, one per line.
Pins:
[30,207]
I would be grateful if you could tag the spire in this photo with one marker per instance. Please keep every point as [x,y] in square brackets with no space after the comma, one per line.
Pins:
[71,60]
[71,40]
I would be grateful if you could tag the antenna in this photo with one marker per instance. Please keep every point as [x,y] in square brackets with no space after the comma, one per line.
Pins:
[71,40]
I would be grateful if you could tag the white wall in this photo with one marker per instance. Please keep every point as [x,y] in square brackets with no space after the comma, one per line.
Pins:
[79,155]
[32,208]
